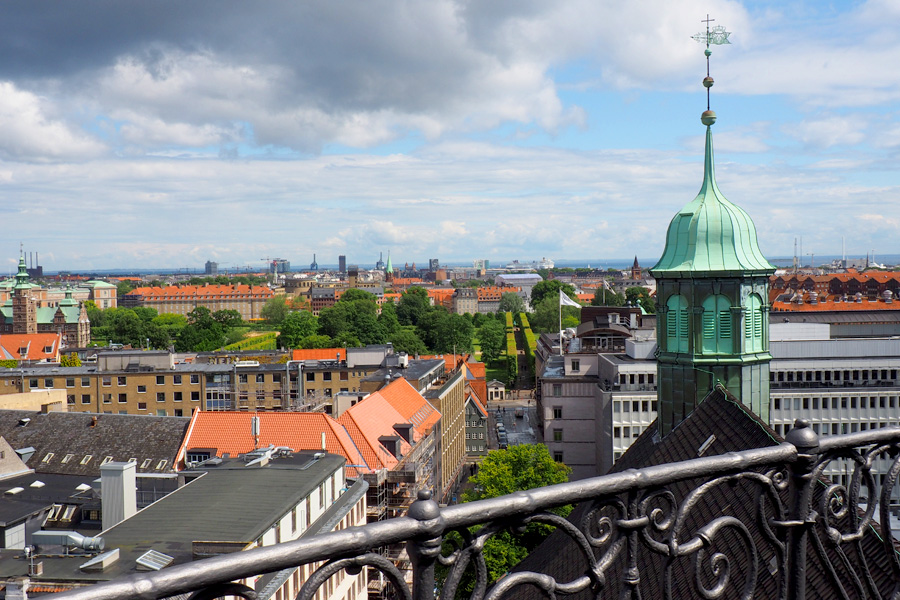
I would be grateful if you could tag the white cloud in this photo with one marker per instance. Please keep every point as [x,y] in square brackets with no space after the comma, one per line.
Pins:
[32,132]
[829,131]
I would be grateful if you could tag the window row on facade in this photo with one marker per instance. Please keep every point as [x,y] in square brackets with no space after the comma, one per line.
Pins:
[854,376]
[843,403]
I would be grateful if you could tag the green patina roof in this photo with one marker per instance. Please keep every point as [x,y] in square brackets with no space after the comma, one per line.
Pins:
[94,283]
[68,301]
[711,234]
[390,267]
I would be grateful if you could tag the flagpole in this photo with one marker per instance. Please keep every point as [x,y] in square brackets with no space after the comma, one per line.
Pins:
[559,301]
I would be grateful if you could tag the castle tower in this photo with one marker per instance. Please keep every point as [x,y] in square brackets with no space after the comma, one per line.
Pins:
[24,311]
[712,290]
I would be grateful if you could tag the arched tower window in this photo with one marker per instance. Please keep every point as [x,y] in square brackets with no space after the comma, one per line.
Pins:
[717,325]
[753,325]
[677,324]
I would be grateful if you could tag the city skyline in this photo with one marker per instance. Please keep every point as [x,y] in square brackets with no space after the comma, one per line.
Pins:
[172,134]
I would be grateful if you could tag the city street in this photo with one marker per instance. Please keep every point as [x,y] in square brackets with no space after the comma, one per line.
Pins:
[520,431]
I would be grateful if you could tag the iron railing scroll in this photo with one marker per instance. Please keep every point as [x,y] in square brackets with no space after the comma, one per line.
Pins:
[760,523]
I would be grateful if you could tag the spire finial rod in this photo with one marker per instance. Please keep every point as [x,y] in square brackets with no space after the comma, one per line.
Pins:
[714,35]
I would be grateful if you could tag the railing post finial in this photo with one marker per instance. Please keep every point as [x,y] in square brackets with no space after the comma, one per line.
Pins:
[424,550]
[803,437]
[802,517]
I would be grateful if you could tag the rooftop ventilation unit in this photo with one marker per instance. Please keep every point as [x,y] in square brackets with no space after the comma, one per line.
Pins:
[67,539]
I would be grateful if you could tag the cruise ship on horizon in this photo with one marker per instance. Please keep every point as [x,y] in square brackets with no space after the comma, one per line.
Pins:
[544,263]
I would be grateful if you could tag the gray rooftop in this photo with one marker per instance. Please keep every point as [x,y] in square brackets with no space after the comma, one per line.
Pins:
[58,435]
[228,503]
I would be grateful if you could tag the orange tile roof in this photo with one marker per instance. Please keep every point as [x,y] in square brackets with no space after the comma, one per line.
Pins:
[585,297]
[400,281]
[478,369]
[368,420]
[493,292]
[319,354]
[229,432]
[414,408]
[200,292]
[33,343]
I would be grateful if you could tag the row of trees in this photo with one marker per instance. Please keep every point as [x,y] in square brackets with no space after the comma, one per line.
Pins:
[412,326]
[142,327]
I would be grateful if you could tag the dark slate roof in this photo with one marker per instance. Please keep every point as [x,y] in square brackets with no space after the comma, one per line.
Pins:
[33,498]
[229,503]
[735,428]
[123,437]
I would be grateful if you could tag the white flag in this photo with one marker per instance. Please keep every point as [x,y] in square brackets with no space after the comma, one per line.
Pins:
[564,300]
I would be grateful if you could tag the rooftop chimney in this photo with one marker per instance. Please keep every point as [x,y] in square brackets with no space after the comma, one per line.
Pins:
[118,492]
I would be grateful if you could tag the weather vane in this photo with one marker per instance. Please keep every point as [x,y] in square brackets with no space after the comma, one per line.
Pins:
[716,36]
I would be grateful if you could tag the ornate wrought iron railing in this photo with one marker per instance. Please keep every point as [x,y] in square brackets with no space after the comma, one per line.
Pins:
[757,523]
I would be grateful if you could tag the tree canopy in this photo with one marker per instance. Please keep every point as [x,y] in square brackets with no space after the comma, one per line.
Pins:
[274,310]
[639,295]
[545,289]
[296,326]
[414,304]
[546,317]
[605,297]
[492,338]
[502,472]
[512,303]
[353,320]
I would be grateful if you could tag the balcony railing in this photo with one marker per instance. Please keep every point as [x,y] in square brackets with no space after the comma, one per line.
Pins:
[630,520]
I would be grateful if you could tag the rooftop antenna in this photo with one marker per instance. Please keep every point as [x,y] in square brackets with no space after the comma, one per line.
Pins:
[716,36]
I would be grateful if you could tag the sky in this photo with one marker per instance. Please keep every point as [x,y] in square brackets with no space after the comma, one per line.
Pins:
[168,133]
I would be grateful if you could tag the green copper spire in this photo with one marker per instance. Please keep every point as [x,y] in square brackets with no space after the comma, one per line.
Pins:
[68,300]
[22,275]
[389,268]
[711,233]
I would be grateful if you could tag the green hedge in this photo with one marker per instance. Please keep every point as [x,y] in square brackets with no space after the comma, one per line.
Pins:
[512,359]
[509,321]
[261,342]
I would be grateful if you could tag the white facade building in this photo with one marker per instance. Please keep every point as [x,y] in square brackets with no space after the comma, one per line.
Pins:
[839,385]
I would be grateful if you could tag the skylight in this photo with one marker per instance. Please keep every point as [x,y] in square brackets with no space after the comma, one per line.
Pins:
[151,560]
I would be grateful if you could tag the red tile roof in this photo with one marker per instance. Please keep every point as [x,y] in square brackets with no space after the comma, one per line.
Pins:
[451,361]
[229,432]
[831,305]
[320,354]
